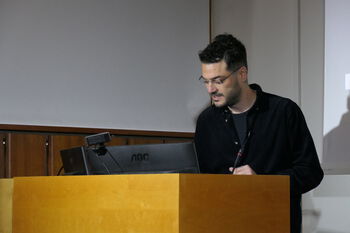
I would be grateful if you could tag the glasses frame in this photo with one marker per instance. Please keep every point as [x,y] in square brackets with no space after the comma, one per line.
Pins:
[218,80]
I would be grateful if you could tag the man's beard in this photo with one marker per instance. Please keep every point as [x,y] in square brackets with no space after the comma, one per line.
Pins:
[234,99]
[230,100]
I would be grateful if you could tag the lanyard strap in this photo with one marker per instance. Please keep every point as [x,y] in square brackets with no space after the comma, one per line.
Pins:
[241,151]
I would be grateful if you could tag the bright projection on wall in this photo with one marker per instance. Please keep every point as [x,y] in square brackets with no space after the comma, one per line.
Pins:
[347,82]
[121,64]
[336,131]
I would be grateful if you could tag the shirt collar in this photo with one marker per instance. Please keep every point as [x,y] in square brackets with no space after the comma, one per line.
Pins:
[260,103]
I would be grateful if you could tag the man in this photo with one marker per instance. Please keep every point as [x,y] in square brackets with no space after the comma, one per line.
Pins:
[247,131]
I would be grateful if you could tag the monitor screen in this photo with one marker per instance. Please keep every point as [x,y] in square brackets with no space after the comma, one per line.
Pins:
[131,159]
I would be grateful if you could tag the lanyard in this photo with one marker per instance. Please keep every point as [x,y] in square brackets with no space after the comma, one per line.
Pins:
[241,151]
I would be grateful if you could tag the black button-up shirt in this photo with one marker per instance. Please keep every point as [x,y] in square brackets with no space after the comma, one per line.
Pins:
[279,143]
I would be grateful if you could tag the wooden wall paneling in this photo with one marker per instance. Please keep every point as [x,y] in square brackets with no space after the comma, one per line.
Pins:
[177,140]
[117,141]
[27,154]
[58,143]
[35,150]
[144,140]
[86,131]
[3,160]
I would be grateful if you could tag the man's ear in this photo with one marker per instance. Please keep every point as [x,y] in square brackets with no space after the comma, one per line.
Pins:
[243,74]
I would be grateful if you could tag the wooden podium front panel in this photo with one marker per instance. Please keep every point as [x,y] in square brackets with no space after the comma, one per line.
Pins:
[234,204]
[96,204]
[6,190]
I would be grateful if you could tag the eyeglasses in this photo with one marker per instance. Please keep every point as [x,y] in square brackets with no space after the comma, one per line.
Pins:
[217,80]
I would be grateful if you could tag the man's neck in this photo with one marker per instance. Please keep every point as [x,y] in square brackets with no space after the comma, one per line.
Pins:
[247,101]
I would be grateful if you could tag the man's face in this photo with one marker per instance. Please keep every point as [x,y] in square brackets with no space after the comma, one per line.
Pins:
[229,91]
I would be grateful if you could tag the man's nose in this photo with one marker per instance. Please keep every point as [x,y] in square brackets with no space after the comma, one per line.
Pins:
[211,88]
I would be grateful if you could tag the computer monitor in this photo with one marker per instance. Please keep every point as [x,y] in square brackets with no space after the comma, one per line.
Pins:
[131,159]
[74,161]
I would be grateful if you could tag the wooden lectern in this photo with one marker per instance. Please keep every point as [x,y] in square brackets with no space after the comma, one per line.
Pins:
[162,203]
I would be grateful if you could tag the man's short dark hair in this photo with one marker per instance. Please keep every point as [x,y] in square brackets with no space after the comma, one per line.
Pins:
[227,47]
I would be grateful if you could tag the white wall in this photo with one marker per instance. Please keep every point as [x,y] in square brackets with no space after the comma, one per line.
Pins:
[269,29]
[124,64]
[336,130]
[312,67]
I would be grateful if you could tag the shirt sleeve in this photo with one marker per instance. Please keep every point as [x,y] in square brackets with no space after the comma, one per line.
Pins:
[201,145]
[306,172]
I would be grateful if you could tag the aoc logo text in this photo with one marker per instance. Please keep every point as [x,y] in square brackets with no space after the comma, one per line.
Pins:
[140,157]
